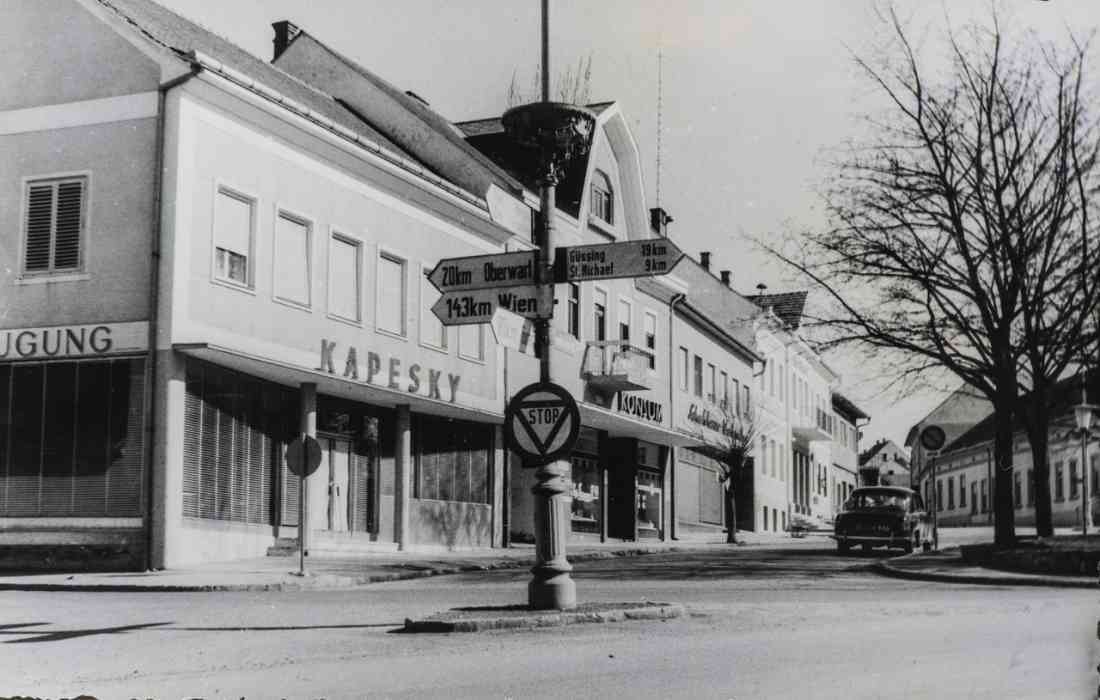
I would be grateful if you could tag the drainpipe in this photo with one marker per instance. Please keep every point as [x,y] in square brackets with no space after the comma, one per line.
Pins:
[154,301]
[673,529]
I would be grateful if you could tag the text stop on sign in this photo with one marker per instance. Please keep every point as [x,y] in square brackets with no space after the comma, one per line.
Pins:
[542,422]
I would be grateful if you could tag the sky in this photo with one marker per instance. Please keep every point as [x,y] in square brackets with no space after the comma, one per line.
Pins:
[754,95]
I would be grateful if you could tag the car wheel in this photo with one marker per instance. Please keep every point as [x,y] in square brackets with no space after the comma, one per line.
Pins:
[866,548]
[926,546]
[843,547]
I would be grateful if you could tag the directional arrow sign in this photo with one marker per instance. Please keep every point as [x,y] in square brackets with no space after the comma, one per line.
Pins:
[654,256]
[484,271]
[478,305]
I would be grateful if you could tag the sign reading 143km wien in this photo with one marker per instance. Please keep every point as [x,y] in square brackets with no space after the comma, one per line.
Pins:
[542,422]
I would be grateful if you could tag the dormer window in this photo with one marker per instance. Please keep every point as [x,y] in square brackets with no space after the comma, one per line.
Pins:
[603,199]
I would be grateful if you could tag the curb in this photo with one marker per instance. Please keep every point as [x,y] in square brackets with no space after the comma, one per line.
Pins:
[1001,579]
[326,581]
[652,611]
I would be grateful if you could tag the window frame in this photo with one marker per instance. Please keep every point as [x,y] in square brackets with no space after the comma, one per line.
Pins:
[697,376]
[685,369]
[426,311]
[627,305]
[338,233]
[650,339]
[599,330]
[573,301]
[480,356]
[301,219]
[84,242]
[383,253]
[601,207]
[253,201]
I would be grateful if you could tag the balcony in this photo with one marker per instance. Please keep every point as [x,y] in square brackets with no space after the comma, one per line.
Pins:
[614,365]
[811,428]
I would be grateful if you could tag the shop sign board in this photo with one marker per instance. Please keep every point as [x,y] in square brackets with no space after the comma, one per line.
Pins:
[484,271]
[645,258]
[479,305]
[303,455]
[542,422]
[88,340]
[513,331]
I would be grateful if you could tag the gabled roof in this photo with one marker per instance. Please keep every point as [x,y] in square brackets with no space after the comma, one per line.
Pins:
[842,404]
[788,306]
[1064,396]
[178,35]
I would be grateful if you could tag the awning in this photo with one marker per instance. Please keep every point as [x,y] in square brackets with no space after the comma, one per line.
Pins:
[619,425]
[332,385]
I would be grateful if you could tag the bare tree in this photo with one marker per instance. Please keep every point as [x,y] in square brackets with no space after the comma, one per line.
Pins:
[733,455]
[959,222]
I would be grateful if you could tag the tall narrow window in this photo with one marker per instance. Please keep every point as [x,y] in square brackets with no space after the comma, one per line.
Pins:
[962,490]
[574,310]
[391,294]
[712,389]
[1017,494]
[1073,478]
[725,390]
[471,341]
[344,279]
[625,312]
[737,397]
[651,339]
[292,259]
[234,222]
[599,314]
[432,330]
[746,405]
[684,369]
[1094,475]
[697,368]
[54,227]
[1059,483]
[603,200]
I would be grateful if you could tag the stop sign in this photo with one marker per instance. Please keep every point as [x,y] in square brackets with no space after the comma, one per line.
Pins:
[303,456]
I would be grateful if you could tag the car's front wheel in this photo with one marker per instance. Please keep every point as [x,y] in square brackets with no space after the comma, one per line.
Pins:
[842,546]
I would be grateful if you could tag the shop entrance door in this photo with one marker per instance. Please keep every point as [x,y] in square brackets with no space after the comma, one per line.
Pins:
[328,489]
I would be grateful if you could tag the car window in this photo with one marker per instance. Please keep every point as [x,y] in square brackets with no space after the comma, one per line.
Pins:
[879,499]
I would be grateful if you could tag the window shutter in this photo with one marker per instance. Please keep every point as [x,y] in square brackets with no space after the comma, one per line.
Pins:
[192,443]
[70,212]
[39,223]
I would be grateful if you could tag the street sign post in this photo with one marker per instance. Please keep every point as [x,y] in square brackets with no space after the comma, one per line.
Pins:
[303,456]
[479,305]
[542,422]
[646,258]
[513,331]
[932,439]
[484,271]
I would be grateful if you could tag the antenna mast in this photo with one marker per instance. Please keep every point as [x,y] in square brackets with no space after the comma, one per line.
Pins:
[660,87]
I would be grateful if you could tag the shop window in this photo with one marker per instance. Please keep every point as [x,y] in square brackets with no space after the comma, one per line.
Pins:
[599,314]
[651,339]
[235,430]
[603,198]
[649,498]
[574,310]
[1059,487]
[391,294]
[452,460]
[292,259]
[54,225]
[72,438]
[234,228]
[586,493]
[471,341]
[432,331]
[345,290]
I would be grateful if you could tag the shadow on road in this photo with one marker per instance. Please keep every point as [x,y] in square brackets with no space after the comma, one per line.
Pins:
[61,635]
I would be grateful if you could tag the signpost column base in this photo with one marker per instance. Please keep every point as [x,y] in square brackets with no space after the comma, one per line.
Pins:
[551,588]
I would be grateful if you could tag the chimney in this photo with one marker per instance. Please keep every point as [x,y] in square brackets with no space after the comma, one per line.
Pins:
[285,32]
[659,221]
[704,260]
[725,277]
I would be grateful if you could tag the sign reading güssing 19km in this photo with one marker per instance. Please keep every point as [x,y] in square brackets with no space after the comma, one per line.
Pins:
[645,258]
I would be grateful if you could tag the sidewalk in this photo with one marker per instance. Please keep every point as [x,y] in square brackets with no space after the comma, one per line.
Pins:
[947,566]
[280,573]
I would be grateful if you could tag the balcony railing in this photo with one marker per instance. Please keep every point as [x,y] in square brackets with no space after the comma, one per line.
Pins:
[615,365]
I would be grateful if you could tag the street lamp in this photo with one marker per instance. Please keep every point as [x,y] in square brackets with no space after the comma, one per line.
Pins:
[1083,414]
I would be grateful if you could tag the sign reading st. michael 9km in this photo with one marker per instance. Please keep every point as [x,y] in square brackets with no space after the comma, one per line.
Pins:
[645,258]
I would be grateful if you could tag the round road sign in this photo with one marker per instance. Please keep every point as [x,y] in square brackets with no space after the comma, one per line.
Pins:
[542,422]
[932,438]
[303,455]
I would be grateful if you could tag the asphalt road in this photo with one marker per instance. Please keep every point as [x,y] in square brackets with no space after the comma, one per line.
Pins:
[798,621]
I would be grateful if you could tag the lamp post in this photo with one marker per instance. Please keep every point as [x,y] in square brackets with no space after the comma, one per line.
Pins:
[554,133]
[1083,415]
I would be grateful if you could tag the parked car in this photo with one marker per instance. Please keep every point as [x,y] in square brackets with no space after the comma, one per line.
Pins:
[883,516]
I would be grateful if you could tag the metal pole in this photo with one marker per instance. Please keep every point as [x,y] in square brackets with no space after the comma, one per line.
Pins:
[935,505]
[551,586]
[302,516]
[1084,464]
